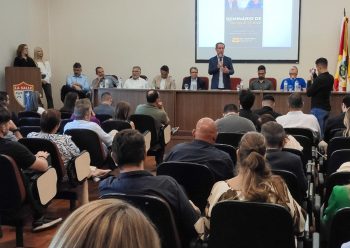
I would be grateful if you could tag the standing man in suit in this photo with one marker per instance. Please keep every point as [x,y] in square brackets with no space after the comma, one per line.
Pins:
[193,82]
[221,68]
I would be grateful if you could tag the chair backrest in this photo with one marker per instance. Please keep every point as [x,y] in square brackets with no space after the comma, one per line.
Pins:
[103,117]
[232,139]
[29,121]
[88,140]
[66,115]
[234,82]
[145,123]
[25,130]
[196,179]
[306,143]
[292,183]
[337,178]
[159,212]
[273,81]
[340,228]
[62,124]
[12,188]
[337,143]
[38,144]
[28,114]
[300,154]
[250,224]
[301,131]
[337,158]
[205,81]
[228,149]
[118,125]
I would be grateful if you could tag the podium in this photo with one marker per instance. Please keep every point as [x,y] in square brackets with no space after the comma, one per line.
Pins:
[19,81]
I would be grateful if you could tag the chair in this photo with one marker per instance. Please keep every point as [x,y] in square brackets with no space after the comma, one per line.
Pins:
[299,154]
[337,158]
[340,228]
[273,81]
[62,124]
[25,130]
[250,224]
[234,82]
[118,125]
[337,143]
[158,211]
[232,139]
[292,182]
[88,140]
[103,117]
[306,143]
[196,179]
[23,114]
[302,131]
[228,149]
[66,115]
[206,82]
[29,121]
[337,178]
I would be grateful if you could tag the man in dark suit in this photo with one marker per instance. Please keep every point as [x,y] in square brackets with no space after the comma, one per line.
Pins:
[193,82]
[221,68]
[282,160]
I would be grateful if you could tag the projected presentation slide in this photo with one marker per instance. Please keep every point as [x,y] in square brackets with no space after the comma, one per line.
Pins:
[252,30]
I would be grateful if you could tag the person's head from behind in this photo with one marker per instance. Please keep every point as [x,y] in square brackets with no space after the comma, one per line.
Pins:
[274,134]
[152,96]
[4,98]
[261,72]
[230,109]
[106,98]
[22,51]
[293,72]
[345,103]
[129,149]
[194,72]
[82,109]
[100,72]
[253,168]
[220,49]
[246,99]
[50,121]
[77,69]
[5,118]
[108,223]
[265,118]
[32,101]
[136,72]
[38,53]
[122,110]
[69,101]
[321,65]
[347,123]
[295,102]
[268,100]
[205,130]
[164,71]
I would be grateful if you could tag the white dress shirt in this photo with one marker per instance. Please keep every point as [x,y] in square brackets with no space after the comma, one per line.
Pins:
[297,119]
[139,83]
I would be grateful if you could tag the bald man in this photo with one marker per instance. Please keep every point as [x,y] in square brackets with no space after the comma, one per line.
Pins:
[293,77]
[202,151]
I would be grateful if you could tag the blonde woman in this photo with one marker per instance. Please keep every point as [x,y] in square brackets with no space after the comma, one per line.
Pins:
[45,70]
[108,223]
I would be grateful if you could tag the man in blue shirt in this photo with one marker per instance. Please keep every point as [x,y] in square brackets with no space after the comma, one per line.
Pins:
[293,77]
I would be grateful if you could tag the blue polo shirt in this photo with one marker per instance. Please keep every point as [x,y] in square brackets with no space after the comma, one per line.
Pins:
[291,83]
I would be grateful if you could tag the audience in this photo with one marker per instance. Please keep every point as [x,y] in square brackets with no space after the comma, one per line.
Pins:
[33,102]
[202,151]
[246,101]
[105,107]
[108,223]
[268,105]
[104,81]
[128,151]
[69,102]
[261,83]
[293,78]
[122,113]
[193,82]
[163,81]
[136,82]
[231,122]
[254,182]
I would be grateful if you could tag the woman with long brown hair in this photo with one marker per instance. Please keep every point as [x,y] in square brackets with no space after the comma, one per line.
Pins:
[23,59]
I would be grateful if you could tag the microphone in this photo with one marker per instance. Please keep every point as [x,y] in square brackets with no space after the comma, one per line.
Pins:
[220,58]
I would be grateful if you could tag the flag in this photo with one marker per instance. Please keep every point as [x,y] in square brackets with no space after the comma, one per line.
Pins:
[342,74]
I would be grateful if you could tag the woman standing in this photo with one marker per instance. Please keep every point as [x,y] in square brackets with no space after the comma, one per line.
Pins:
[23,59]
[45,70]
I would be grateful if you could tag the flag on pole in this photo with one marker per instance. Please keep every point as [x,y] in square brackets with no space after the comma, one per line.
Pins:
[342,74]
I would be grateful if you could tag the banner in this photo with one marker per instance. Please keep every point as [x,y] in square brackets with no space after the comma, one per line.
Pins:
[342,74]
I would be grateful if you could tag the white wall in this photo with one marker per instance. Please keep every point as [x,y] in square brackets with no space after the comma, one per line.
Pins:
[123,33]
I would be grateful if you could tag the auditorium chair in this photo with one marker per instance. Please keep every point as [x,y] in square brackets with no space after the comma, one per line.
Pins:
[340,228]
[234,82]
[66,115]
[25,130]
[232,139]
[300,154]
[158,211]
[206,82]
[62,124]
[337,158]
[337,143]
[273,81]
[103,117]
[29,121]
[292,183]
[302,131]
[118,125]
[230,150]
[307,145]
[337,178]
[23,114]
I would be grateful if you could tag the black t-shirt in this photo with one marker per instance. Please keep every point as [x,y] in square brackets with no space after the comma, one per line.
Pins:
[21,62]
[320,91]
[22,156]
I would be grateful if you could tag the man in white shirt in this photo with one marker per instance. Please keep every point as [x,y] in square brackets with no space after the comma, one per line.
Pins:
[295,118]
[136,82]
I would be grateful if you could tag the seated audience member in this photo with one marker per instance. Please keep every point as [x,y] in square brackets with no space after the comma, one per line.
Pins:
[246,101]
[128,151]
[136,82]
[94,224]
[77,82]
[193,82]
[69,102]
[104,81]
[163,81]
[92,118]
[13,133]
[296,118]
[254,182]
[261,83]
[122,113]
[5,102]
[105,107]
[231,122]
[336,122]
[281,160]
[202,151]
[26,161]
[23,59]
[49,125]
[154,108]
[33,102]
[293,78]
[268,105]
[82,115]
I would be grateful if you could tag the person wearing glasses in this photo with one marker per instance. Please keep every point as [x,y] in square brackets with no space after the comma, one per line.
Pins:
[193,82]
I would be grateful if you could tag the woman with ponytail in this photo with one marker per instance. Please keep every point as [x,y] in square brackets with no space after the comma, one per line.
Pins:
[254,182]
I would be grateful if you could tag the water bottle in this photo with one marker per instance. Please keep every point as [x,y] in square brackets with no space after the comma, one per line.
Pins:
[285,86]
[296,86]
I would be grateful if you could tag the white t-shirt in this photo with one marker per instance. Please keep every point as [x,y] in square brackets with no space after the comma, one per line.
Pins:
[45,68]
[139,83]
